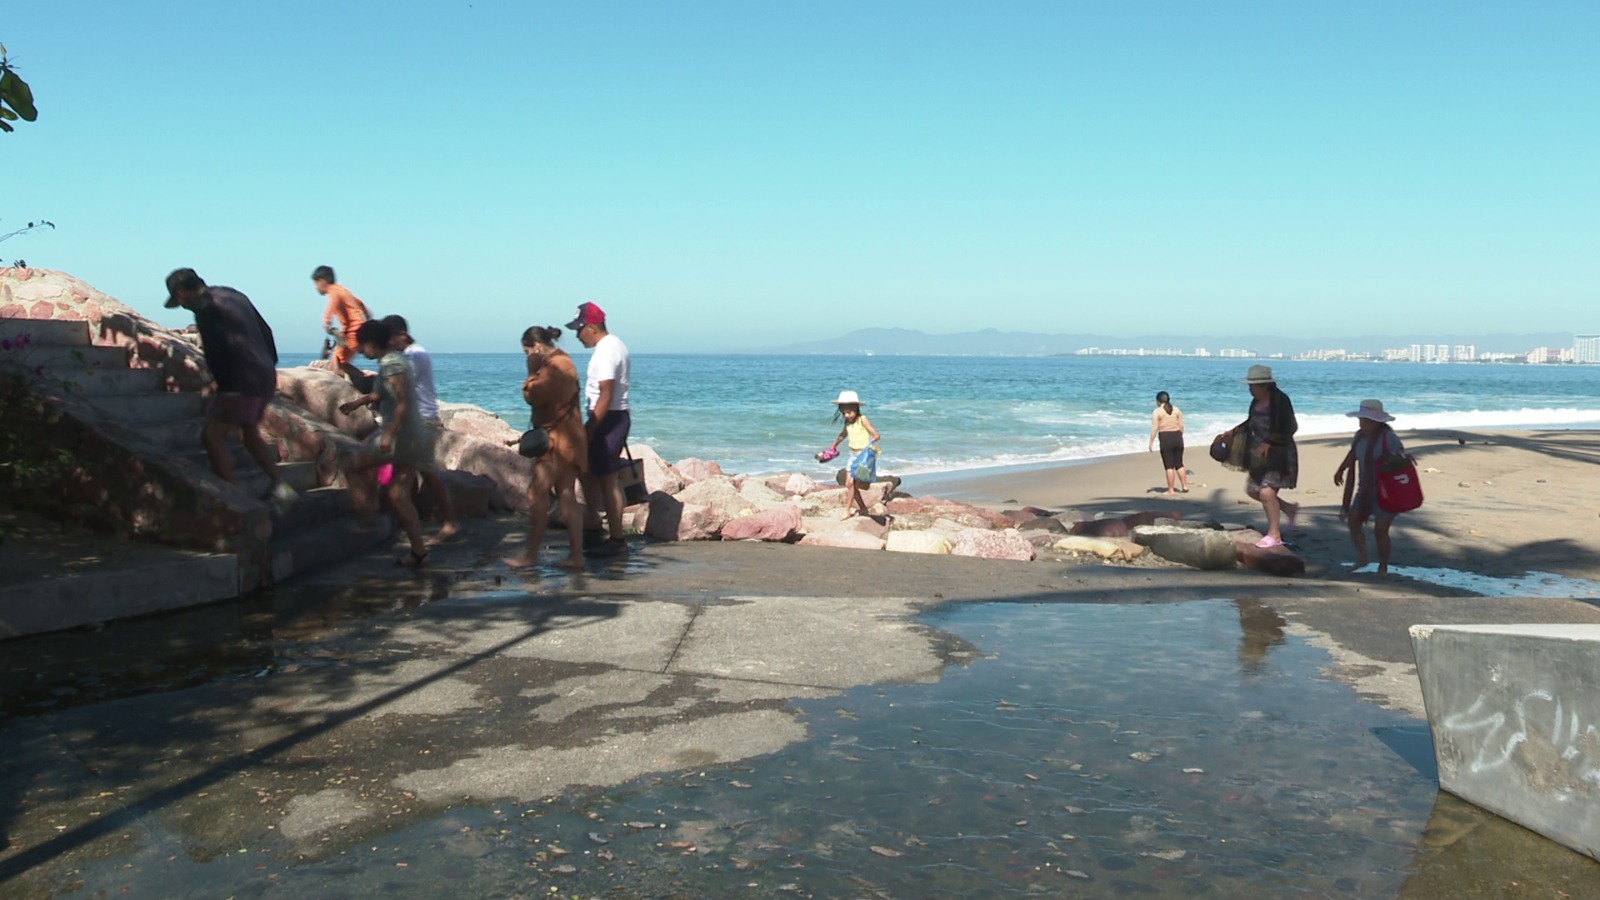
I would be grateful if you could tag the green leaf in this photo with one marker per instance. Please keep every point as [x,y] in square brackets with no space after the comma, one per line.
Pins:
[5,127]
[15,91]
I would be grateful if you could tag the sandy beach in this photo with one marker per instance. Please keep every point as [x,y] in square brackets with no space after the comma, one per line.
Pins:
[1497,503]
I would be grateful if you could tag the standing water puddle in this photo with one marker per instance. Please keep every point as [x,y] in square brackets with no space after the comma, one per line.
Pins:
[1089,751]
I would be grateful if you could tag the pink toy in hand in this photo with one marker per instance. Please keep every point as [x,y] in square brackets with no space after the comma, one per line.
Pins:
[828,454]
[386,474]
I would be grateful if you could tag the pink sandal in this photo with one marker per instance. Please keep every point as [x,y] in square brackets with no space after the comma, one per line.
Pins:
[1268,542]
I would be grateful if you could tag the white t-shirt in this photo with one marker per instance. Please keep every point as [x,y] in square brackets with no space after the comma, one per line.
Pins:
[608,362]
[422,374]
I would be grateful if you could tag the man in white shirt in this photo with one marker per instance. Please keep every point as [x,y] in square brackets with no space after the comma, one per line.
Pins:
[605,394]
[428,409]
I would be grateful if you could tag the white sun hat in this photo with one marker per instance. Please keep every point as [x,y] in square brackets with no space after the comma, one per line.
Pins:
[848,398]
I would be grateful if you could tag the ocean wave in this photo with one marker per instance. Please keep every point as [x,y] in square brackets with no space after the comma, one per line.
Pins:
[1314,425]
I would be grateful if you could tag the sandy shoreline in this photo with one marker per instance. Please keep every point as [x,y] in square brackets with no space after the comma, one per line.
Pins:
[1499,503]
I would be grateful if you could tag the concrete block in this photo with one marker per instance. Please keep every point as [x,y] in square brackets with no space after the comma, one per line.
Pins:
[1515,714]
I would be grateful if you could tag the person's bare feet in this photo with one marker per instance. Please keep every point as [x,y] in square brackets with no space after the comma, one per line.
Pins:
[570,563]
[445,533]
[522,560]
[1169,493]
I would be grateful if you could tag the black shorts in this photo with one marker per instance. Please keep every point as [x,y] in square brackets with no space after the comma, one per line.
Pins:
[606,443]
[1171,449]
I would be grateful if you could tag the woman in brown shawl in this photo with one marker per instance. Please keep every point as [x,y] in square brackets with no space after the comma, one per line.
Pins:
[552,390]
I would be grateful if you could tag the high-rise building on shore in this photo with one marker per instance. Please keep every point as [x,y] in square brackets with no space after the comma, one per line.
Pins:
[1586,348]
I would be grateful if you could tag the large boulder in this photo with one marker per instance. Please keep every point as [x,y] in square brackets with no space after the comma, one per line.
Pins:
[760,496]
[471,496]
[320,393]
[1103,528]
[1105,548]
[843,538]
[1048,524]
[719,494]
[670,519]
[1280,561]
[693,469]
[780,523]
[659,475]
[798,484]
[929,542]
[478,422]
[984,544]
[510,472]
[1200,548]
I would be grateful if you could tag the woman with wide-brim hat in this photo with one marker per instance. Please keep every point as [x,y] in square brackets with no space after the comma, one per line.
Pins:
[1273,460]
[1374,441]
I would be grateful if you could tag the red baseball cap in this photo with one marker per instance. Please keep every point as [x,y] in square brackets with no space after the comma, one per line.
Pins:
[588,314]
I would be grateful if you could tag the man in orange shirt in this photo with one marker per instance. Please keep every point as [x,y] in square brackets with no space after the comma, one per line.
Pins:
[351,313]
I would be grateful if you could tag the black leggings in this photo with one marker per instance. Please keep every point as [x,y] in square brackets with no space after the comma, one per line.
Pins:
[1171,449]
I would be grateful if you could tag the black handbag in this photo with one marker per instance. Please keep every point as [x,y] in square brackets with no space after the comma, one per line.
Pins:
[631,479]
[534,443]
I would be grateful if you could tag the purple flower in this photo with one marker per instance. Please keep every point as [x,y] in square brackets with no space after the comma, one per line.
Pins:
[5,344]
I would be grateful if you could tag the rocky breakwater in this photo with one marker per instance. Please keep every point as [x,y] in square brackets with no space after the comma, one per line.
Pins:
[694,499]
[483,473]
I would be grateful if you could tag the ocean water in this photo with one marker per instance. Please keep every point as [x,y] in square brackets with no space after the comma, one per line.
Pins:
[770,413]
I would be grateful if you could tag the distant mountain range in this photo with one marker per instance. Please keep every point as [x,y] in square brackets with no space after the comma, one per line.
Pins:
[992,342]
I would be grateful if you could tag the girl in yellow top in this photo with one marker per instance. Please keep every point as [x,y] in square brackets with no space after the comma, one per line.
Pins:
[1166,425]
[863,450]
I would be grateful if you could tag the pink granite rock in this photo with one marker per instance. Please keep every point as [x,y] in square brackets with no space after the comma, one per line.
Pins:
[719,494]
[501,464]
[659,476]
[320,393]
[993,545]
[799,484]
[464,418]
[670,519]
[693,469]
[777,524]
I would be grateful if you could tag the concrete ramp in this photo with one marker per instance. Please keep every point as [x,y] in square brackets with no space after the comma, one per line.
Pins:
[1515,714]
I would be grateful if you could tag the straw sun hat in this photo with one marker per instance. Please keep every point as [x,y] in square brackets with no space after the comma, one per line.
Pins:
[1259,375]
[1372,409]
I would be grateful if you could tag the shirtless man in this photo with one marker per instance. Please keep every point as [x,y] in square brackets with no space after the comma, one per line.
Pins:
[351,313]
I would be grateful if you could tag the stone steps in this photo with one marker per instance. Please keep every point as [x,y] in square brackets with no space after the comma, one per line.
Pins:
[158,408]
[73,332]
[314,506]
[327,543]
[62,359]
[95,383]
[316,529]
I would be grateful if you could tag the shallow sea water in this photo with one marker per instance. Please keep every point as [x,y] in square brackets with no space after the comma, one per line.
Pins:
[1183,750]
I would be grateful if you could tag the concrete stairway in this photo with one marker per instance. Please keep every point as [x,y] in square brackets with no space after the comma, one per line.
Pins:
[314,530]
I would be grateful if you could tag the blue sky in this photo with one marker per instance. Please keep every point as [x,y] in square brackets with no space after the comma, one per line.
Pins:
[739,175]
